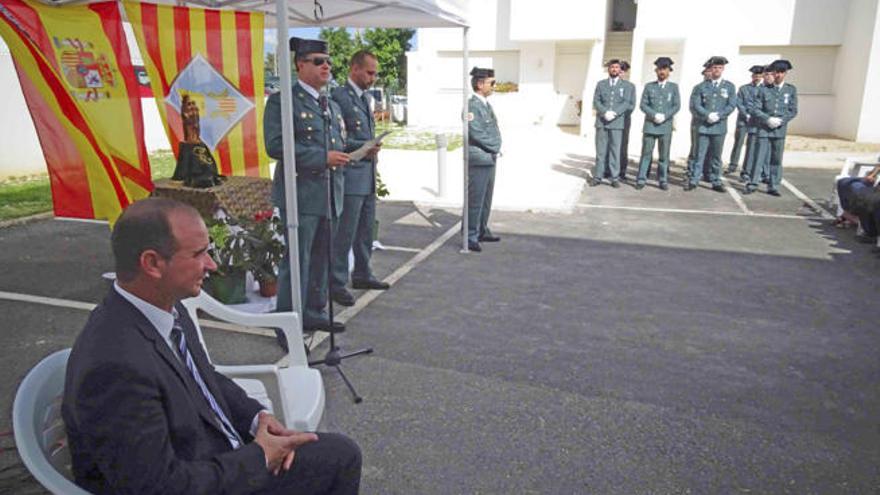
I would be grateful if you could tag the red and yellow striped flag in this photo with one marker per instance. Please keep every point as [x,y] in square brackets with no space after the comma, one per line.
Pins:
[78,82]
[215,57]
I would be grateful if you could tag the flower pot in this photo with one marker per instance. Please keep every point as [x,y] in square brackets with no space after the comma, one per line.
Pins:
[268,288]
[228,289]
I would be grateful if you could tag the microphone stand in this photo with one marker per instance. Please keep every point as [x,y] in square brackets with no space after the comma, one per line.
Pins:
[334,356]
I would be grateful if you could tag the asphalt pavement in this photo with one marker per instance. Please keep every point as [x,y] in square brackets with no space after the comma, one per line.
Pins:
[647,342]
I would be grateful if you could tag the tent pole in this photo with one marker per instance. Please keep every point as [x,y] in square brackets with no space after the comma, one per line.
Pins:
[464,136]
[282,58]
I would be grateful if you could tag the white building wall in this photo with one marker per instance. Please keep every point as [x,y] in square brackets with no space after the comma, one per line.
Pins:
[817,35]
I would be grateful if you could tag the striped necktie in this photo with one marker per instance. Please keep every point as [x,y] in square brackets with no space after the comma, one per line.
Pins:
[179,341]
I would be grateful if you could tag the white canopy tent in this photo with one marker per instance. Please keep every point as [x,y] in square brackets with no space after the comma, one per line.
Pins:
[351,13]
[338,13]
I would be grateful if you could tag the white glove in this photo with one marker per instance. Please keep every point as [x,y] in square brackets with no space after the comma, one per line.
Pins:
[609,115]
[659,117]
[713,117]
[774,122]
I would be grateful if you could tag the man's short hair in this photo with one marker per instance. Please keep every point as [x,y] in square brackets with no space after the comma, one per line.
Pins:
[360,58]
[144,225]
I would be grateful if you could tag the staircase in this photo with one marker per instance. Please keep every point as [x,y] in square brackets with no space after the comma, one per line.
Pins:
[618,44]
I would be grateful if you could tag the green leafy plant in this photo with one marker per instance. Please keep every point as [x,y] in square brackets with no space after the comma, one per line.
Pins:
[253,245]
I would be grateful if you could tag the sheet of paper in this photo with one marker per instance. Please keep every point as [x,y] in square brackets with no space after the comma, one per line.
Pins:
[361,153]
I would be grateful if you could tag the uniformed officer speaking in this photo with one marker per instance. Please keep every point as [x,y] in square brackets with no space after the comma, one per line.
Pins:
[484,145]
[315,164]
[711,103]
[660,102]
[612,100]
[774,107]
[355,231]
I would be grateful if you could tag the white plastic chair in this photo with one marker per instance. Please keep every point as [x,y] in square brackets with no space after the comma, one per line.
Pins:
[294,393]
[40,436]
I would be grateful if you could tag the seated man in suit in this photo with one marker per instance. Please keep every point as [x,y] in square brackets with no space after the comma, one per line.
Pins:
[144,409]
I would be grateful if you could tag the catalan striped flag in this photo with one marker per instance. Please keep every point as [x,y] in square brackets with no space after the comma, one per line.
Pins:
[216,58]
[78,82]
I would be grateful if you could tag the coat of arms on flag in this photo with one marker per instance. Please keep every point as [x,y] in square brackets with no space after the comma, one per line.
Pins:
[220,103]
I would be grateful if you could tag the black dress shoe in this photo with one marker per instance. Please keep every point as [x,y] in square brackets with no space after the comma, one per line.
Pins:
[371,284]
[640,185]
[595,182]
[343,297]
[748,190]
[664,186]
[689,187]
[615,184]
[718,188]
[474,246]
[489,238]
[773,192]
[322,324]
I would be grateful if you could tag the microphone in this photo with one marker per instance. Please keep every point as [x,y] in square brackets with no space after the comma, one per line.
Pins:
[324,102]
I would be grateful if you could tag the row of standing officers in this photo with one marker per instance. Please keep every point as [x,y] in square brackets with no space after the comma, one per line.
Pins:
[765,106]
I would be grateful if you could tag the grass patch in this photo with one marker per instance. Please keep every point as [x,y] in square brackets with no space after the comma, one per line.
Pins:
[403,139]
[25,196]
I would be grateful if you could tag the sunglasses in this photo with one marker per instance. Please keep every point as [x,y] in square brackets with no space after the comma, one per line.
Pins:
[318,61]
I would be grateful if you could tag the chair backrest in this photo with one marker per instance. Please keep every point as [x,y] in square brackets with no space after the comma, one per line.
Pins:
[40,436]
[287,322]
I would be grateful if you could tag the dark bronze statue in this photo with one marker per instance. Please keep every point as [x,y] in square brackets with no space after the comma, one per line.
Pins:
[195,164]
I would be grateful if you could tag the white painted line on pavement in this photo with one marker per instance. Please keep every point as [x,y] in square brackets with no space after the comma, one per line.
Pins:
[371,295]
[699,212]
[47,301]
[67,303]
[399,248]
[806,199]
[736,197]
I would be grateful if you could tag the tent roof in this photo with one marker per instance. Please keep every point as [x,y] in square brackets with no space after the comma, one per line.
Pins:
[343,13]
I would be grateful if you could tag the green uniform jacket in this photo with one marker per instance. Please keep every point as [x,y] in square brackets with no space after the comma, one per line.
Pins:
[665,100]
[311,159]
[773,101]
[360,177]
[484,138]
[706,98]
[619,99]
[744,98]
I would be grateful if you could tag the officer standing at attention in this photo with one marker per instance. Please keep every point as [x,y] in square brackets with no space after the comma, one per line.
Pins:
[774,107]
[484,145]
[743,127]
[359,206]
[660,102]
[712,102]
[763,166]
[627,120]
[314,164]
[695,126]
[612,99]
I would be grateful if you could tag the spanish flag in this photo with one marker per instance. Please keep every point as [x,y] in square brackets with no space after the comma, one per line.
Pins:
[78,82]
[216,58]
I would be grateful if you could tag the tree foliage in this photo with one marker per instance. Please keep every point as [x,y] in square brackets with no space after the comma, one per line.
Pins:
[389,45]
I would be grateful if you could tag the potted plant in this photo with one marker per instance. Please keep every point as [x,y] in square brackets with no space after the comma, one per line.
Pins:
[264,245]
[239,246]
[227,283]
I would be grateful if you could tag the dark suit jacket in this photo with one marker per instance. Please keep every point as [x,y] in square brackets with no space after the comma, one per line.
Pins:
[311,158]
[136,422]
[360,176]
